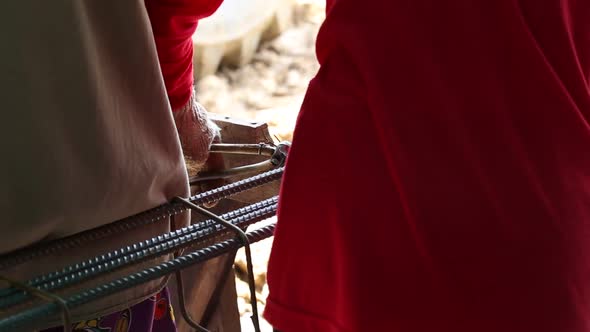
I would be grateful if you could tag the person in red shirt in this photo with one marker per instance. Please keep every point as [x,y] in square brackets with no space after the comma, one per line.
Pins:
[439,177]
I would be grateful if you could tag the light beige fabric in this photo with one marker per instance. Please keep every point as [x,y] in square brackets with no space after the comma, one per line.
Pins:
[86,136]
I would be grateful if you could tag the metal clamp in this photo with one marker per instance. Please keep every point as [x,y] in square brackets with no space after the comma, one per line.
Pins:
[279,157]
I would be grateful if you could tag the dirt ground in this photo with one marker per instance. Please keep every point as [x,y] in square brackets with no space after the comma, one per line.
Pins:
[269,89]
[272,86]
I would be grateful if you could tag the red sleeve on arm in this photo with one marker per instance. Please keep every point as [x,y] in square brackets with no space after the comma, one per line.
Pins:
[174,22]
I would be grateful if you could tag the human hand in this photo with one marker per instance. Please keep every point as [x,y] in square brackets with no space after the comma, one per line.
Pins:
[197,132]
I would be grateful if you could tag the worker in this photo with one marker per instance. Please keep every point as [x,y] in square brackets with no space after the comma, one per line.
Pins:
[98,100]
[439,177]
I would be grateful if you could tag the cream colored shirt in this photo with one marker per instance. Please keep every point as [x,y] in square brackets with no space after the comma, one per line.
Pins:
[87,136]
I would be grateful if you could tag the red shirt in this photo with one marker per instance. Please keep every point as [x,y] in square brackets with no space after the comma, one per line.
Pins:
[174,23]
[439,178]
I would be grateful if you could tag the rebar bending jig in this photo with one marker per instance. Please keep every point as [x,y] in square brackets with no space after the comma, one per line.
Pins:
[216,229]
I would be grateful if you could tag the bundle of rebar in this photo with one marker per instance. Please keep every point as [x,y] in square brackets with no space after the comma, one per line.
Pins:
[211,238]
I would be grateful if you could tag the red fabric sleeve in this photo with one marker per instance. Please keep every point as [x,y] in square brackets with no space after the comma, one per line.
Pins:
[174,22]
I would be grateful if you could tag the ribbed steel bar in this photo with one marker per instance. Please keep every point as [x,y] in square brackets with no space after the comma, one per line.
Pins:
[28,318]
[157,246]
[144,218]
[261,149]
[232,172]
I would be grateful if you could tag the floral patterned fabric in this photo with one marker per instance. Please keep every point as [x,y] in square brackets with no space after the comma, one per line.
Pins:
[152,315]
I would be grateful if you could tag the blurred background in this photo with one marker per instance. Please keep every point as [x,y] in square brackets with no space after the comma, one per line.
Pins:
[253,60]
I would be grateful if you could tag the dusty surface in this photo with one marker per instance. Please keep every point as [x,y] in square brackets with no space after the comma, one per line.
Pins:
[269,89]
[272,86]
